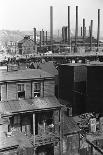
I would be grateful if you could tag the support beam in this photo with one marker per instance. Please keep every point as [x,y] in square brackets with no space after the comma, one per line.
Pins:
[81,31]
[34,127]
[60,132]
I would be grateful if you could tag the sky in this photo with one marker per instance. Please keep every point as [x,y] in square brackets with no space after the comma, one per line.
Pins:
[26,14]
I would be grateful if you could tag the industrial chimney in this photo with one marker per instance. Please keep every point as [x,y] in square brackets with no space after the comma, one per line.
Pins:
[46,37]
[91,32]
[98,32]
[83,31]
[69,25]
[51,26]
[42,36]
[34,36]
[35,46]
[76,31]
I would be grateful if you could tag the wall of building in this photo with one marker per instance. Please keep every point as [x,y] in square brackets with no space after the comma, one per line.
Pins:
[49,88]
[28,47]
[9,91]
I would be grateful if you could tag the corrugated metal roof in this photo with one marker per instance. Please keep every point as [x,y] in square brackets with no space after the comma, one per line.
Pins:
[27,74]
[22,105]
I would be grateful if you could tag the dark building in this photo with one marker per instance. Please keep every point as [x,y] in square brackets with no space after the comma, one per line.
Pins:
[81,85]
[72,86]
[94,88]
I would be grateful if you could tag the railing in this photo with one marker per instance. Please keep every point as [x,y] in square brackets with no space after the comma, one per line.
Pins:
[44,139]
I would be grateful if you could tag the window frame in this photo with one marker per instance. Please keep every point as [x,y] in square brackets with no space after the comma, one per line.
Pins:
[36,91]
[22,89]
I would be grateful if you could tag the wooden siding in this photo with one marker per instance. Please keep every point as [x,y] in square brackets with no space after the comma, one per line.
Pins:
[49,88]
[11,91]
[3,93]
[28,90]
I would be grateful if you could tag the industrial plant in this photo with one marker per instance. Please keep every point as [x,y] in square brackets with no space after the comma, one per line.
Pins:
[51,99]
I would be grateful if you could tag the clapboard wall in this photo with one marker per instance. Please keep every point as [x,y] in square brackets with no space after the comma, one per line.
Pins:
[9,90]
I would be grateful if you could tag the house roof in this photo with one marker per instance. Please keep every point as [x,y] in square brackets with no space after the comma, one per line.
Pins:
[69,126]
[46,66]
[23,105]
[49,67]
[28,74]
[26,38]
[16,139]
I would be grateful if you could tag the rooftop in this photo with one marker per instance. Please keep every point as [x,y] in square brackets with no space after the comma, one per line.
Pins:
[16,139]
[16,106]
[69,126]
[73,64]
[28,74]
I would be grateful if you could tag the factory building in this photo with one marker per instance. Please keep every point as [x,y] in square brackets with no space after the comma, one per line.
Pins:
[81,86]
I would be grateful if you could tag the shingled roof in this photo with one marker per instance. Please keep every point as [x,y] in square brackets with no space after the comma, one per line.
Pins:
[24,105]
[28,74]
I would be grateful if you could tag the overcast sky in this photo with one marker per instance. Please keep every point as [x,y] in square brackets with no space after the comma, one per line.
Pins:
[26,14]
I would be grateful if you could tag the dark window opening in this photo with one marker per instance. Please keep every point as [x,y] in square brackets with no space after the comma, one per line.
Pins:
[21,94]
[21,91]
[37,89]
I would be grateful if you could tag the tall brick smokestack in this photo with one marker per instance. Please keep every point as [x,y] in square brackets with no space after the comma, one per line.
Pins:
[51,26]
[76,31]
[83,31]
[98,32]
[42,36]
[34,36]
[69,25]
[91,32]
[46,37]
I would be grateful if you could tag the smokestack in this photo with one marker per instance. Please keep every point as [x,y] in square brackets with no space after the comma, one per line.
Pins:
[98,33]
[76,31]
[46,37]
[42,37]
[64,34]
[34,36]
[51,26]
[91,32]
[69,25]
[83,31]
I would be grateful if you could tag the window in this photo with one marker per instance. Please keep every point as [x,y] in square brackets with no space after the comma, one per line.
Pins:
[17,120]
[21,90]
[37,89]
